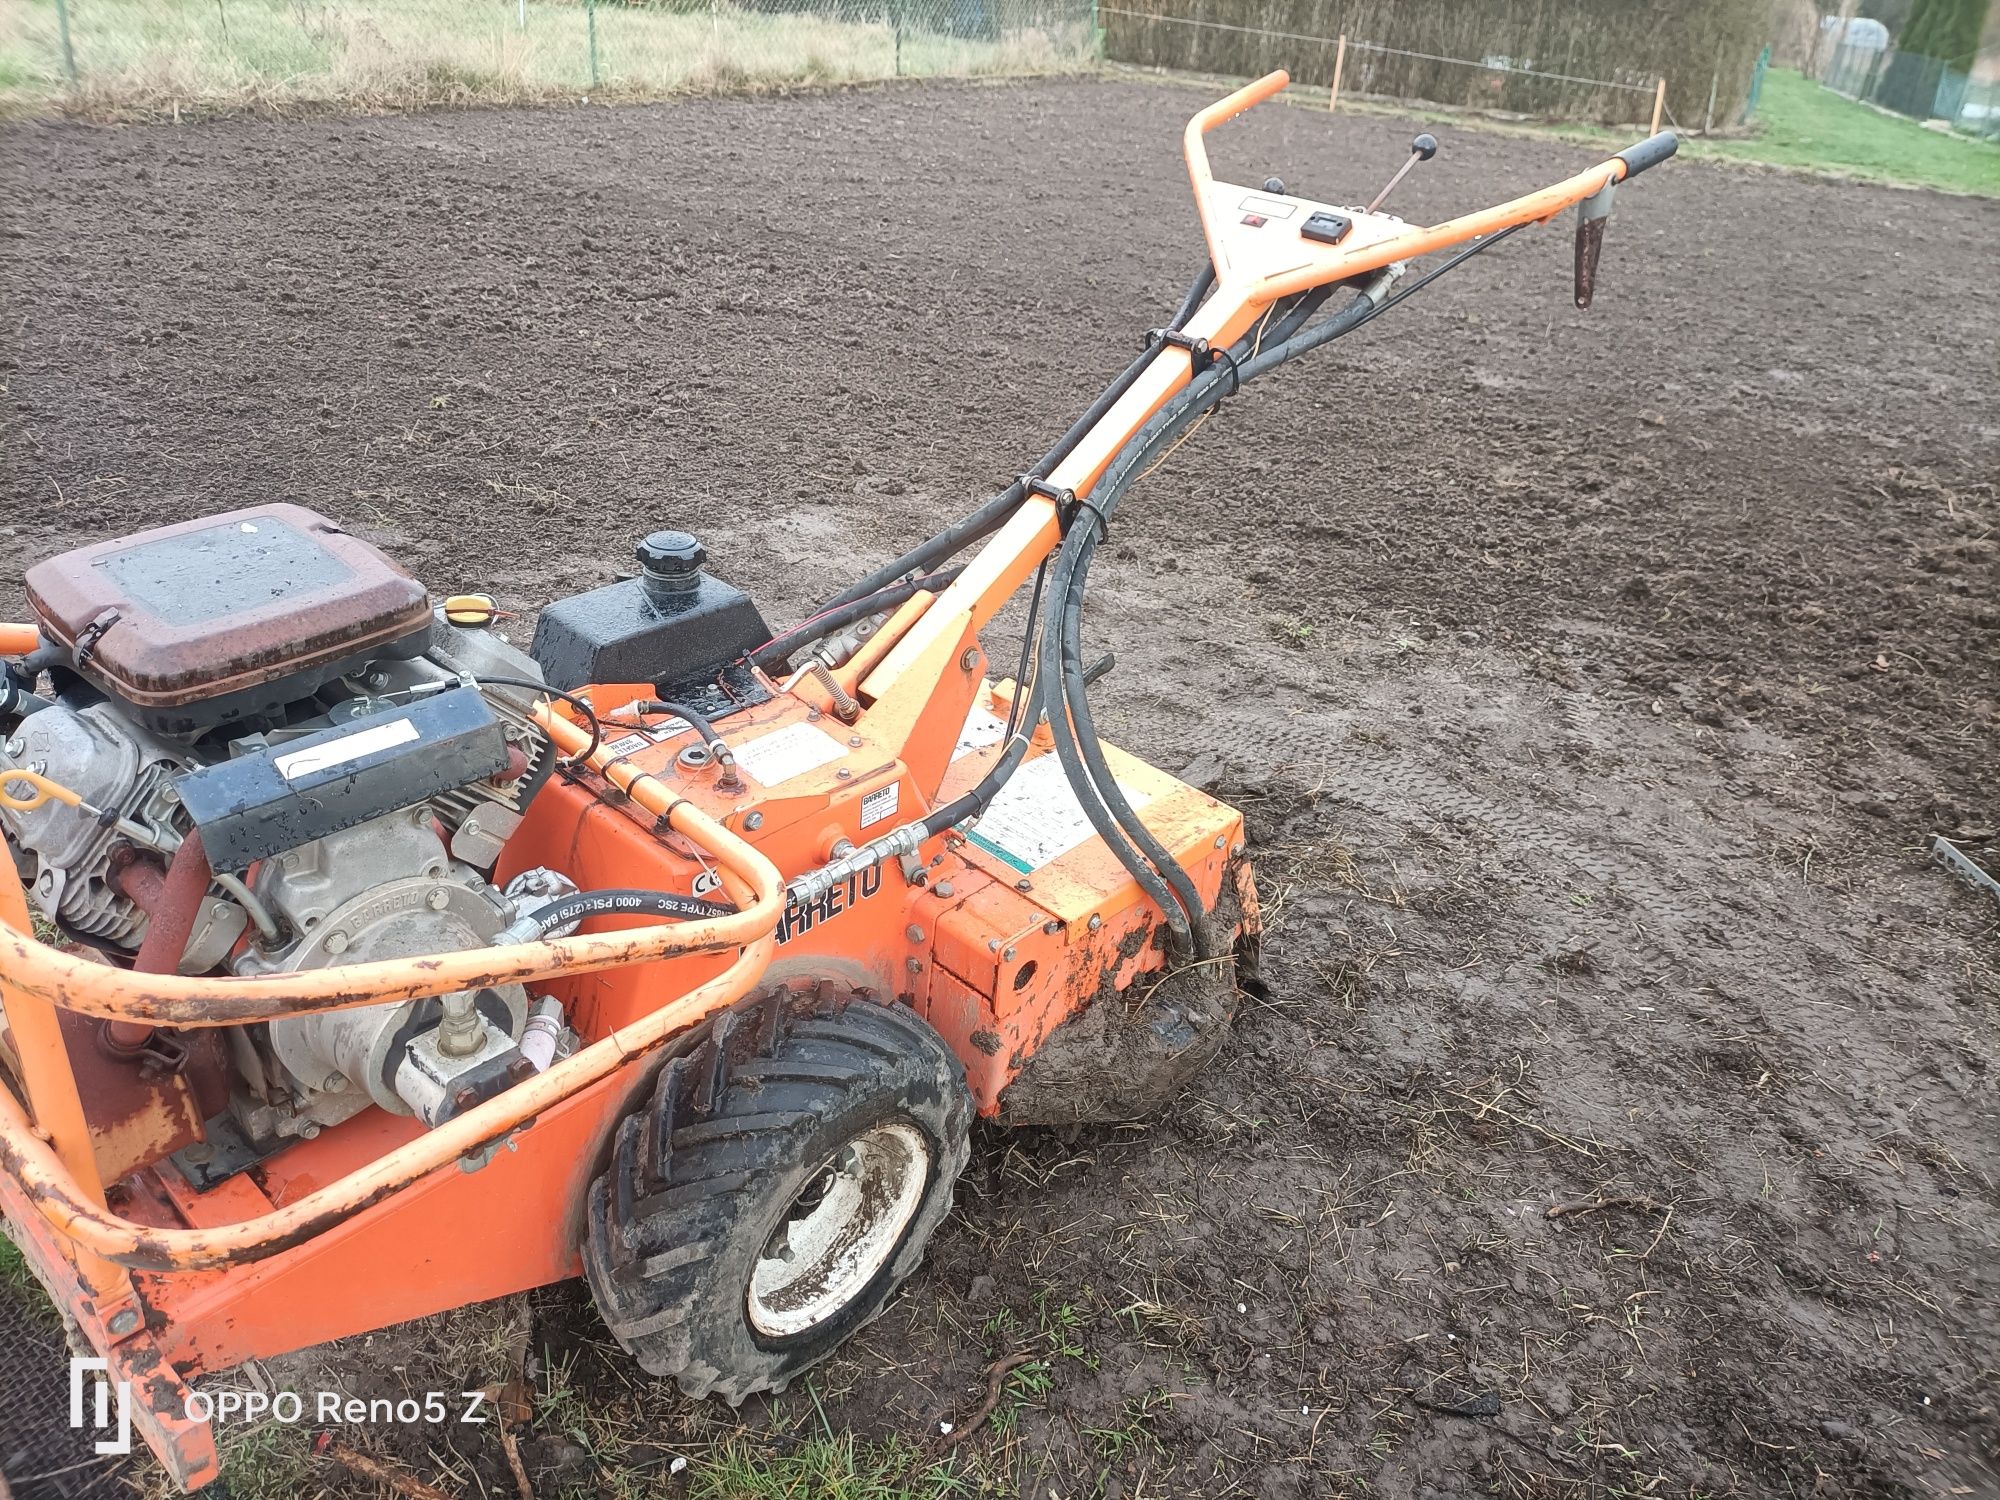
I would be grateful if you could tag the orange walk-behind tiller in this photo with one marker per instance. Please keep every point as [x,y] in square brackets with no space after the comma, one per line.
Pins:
[357,964]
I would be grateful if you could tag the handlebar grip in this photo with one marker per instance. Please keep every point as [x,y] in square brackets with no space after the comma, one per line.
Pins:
[1650,152]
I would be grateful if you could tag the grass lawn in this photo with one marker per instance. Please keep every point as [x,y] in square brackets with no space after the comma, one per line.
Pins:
[138,59]
[1806,125]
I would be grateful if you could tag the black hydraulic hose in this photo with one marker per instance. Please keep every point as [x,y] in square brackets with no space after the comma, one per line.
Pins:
[778,650]
[699,724]
[1197,292]
[1150,863]
[619,902]
[991,516]
[1029,699]
[1280,341]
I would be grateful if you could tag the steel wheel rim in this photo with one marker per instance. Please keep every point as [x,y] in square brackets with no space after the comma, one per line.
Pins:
[835,1237]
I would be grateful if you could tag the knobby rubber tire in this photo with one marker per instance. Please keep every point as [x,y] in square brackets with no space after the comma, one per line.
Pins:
[735,1130]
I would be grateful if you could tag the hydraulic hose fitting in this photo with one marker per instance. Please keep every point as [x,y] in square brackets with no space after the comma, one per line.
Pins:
[810,886]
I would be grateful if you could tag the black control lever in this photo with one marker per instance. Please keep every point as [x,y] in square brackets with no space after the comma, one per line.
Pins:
[1423,148]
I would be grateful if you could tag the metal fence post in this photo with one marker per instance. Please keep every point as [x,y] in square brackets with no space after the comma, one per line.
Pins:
[69,51]
[590,13]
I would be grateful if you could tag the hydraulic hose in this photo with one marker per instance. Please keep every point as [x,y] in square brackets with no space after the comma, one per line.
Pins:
[717,747]
[1029,701]
[778,650]
[1151,864]
[618,902]
[992,515]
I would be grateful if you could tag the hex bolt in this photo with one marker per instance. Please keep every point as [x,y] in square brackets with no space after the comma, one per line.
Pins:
[915,965]
[438,899]
[1024,885]
[993,945]
[333,1083]
[1096,922]
[336,942]
[1052,926]
[854,740]
[914,933]
[944,889]
[124,1321]
[971,658]
[1218,841]
[1007,957]
[753,821]
[309,1131]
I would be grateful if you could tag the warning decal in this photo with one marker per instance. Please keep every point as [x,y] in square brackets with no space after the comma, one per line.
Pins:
[1036,819]
[792,751]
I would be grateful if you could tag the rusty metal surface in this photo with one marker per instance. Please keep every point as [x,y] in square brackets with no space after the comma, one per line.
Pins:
[196,610]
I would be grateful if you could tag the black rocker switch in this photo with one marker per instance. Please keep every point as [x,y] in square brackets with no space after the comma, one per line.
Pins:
[1326,226]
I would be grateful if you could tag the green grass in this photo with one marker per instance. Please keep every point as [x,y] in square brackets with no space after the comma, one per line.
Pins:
[831,1468]
[19,1287]
[1808,128]
[151,58]
[272,1461]
[1805,125]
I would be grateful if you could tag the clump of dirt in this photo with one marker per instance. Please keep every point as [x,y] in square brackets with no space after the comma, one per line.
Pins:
[1591,683]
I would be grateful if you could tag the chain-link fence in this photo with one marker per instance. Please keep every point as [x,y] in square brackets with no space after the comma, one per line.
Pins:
[116,57]
[1869,68]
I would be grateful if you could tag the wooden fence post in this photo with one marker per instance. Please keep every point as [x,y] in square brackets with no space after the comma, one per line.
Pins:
[1659,105]
[1339,62]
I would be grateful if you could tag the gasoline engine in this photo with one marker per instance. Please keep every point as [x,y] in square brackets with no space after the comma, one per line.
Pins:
[282,759]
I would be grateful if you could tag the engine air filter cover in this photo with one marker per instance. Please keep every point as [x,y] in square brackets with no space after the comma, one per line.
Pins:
[204,622]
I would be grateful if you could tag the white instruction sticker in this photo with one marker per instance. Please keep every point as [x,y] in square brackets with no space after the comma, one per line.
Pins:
[792,751]
[349,747]
[981,729]
[1036,819]
[652,734]
[881,804]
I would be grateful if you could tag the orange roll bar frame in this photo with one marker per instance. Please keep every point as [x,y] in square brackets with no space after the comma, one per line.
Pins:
[44,973]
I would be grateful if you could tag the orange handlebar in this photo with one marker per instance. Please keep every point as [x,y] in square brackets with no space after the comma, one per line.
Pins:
[1221,113]
[95,989]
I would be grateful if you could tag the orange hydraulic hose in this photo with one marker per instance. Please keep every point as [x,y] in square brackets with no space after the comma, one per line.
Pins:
[19,640]
[94,989]
[747,873]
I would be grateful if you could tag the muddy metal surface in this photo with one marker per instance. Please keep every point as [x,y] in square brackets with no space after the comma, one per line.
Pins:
[1622,1118]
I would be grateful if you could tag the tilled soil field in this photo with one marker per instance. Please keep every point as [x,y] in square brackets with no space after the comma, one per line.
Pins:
[1622,1116]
